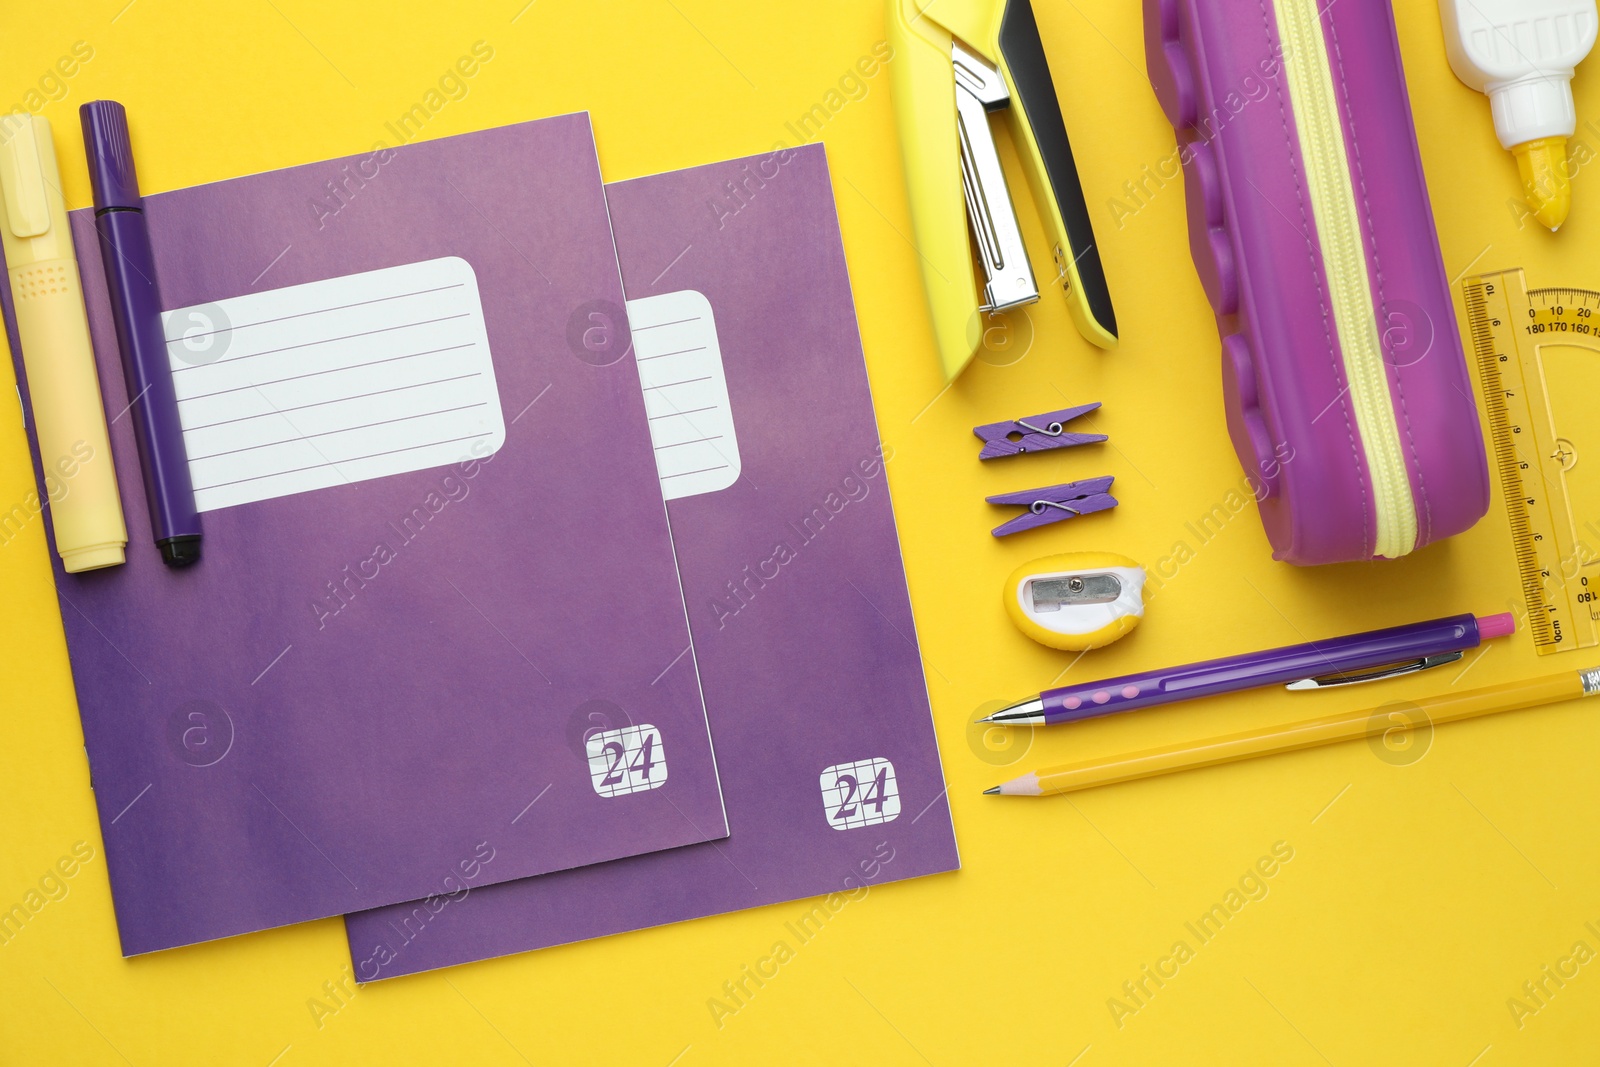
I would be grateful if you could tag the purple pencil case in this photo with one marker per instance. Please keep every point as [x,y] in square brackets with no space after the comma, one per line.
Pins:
[1347,393]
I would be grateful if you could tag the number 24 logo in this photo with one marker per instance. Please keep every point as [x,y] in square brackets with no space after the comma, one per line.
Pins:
[873,796]
[860,793]
[631,759]
[641,763]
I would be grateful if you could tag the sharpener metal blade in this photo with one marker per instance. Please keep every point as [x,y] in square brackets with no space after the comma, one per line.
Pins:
[1053,594]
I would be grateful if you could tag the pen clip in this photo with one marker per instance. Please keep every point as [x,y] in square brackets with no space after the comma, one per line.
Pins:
[1375,674]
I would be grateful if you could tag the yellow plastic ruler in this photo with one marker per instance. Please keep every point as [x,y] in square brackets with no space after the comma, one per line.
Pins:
[1538,353]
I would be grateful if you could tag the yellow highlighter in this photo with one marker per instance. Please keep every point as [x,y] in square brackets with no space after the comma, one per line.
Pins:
[69,419]
[956,63]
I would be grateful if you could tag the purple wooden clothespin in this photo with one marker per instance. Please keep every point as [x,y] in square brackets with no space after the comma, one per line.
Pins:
[1036,433]
[1054,503]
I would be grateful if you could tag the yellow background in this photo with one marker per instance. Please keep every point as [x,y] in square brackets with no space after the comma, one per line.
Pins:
[1420,897]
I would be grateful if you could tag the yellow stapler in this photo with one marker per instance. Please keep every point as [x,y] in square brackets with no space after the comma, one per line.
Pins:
[955,62]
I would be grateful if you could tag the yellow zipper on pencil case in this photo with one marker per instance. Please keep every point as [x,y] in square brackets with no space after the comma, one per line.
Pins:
[1336,210]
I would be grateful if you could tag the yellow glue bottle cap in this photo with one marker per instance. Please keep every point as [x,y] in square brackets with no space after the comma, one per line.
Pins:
[1543,166]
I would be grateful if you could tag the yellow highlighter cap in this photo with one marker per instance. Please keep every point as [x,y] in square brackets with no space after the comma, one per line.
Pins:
[93,558]
[1543,166]
[1077,600]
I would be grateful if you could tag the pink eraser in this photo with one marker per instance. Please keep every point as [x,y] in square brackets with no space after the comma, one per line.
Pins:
[1493,626]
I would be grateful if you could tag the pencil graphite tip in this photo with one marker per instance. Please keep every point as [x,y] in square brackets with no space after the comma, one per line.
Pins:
[992,791]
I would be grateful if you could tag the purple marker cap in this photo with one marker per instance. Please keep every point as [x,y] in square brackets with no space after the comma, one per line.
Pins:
[111,173]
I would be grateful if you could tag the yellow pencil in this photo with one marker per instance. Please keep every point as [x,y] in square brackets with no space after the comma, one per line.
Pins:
[1348,726]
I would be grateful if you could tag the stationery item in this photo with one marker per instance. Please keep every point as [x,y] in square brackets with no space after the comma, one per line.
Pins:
[368,692]
[1347,394]
[796,593]
[956,61]
[686,394]
[1076,601]
[1365,657]
[130,267]
[1538,352]
[373,374]
[1036,433]
[75,464]
[1327,730]
[1522,54]
[1053,503]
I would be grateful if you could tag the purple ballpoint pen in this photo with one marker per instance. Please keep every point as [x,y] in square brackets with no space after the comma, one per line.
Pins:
[136,310]
[1314,665]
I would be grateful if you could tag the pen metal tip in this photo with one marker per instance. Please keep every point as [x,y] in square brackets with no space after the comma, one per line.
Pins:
[986,718]
[1022,713]
[992,791]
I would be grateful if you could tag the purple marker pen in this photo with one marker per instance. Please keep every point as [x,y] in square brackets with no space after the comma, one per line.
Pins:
[1314,665]
[136,309]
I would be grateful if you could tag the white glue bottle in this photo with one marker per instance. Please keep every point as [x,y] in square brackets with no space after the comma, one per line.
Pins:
[1522,54]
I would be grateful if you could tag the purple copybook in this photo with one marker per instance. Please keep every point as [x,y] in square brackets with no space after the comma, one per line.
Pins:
[433,537]
[791,569]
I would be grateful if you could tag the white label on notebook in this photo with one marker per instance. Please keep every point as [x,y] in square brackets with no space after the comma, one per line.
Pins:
[628,760]
[333,382]
[863,793]
[685,393]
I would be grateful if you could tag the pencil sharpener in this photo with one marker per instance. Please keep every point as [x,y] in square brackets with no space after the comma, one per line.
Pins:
[1078,600]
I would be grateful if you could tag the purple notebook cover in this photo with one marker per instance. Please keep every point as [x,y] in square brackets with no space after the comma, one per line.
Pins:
[817,664]
[421,739]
